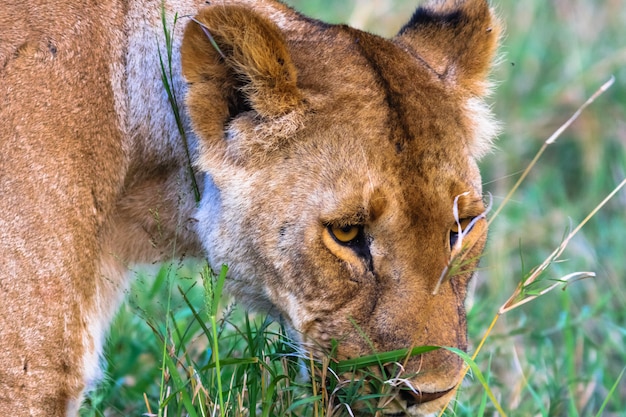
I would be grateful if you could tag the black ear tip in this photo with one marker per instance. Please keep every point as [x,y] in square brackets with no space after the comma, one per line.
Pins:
[425,16]
[447,14]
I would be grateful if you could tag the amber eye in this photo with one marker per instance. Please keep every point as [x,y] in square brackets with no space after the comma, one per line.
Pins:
[345,234]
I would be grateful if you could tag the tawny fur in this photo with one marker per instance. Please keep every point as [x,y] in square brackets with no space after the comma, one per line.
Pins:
[300,126]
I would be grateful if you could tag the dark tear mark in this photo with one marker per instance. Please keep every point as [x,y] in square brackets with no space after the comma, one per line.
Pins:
[396,118]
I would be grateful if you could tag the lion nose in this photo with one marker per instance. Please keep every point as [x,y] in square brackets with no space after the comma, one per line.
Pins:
[419,397]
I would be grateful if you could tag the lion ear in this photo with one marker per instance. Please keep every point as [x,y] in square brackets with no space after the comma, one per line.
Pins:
[236,60]
[457,39]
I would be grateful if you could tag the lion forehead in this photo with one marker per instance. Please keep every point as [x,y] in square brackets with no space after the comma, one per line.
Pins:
[376,90]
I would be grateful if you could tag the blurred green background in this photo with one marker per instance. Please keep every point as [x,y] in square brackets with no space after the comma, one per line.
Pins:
[560,354]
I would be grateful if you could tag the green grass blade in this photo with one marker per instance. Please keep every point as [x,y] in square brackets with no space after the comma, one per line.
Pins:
[219,287]
[167,77]
[180,386]
[611,392]
[218,371]
[479,375]
[231,362]
[378,358]
[268,403]
[303,402]
[194,312]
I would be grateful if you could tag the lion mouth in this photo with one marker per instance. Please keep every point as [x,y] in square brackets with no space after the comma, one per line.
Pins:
[416,398]
[413,399]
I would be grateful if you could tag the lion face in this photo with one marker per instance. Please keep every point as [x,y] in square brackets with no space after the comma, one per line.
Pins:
[342,174]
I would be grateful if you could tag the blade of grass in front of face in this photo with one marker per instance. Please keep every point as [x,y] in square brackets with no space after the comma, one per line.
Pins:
[167,78]
[380,358]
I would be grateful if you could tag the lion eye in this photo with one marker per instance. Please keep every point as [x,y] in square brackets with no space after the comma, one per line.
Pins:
[466,226]
[347,241]
[345,234]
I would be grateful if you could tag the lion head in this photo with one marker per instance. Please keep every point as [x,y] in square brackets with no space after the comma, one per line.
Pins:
[342,175]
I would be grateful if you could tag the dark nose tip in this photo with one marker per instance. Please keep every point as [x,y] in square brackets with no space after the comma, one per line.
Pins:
[419,397]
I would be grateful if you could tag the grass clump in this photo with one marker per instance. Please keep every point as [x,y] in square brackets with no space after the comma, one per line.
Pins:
[211,359]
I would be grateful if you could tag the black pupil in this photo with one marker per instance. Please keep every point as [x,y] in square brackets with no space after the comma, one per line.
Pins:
[346,229]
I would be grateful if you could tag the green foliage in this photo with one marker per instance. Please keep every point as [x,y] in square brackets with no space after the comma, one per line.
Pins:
[562,354]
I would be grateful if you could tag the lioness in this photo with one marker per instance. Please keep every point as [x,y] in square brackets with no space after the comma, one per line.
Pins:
[338,174]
